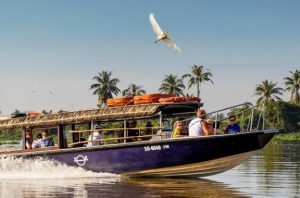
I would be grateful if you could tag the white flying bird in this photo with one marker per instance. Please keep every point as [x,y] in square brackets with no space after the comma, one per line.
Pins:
[160,34]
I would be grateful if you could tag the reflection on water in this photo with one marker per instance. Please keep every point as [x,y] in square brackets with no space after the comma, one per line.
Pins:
[273,172]
[105,187]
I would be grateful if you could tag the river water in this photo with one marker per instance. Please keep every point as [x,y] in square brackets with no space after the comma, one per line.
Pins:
[272,172]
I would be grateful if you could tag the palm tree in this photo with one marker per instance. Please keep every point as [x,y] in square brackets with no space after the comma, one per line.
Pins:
[172,85]
[105,87]
[133,90]
[198,75]
[267,92]
[293,84]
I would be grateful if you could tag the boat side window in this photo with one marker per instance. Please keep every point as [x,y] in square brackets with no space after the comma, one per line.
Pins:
[67,136]
[148,131]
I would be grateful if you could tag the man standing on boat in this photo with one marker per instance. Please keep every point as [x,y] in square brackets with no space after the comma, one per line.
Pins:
[198,126]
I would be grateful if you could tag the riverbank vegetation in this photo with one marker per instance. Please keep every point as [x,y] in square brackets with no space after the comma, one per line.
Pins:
[295,136]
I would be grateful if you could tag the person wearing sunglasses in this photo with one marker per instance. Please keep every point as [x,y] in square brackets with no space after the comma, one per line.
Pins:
[210,125]
[233,127]
[180,130]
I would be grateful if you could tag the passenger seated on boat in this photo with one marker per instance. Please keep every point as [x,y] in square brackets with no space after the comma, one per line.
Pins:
[184,123]
[210,125]
[148,130]
[28,139]
[180,130]
[233,127]
[96,135]
[44,141]
[198,126]
[38,137]
[195,127]
[132,132]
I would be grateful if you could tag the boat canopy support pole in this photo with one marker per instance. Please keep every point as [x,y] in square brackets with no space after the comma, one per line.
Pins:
[125,130]
[60,134]
[242,124]
[23,138]
[263,127]
[160,123]
[74,135]
[251,120]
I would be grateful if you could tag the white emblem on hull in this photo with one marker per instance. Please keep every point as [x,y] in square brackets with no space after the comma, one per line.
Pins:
[80,160]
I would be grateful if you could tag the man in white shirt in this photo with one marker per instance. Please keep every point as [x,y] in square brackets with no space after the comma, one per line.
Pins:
[96,135]
[198,126]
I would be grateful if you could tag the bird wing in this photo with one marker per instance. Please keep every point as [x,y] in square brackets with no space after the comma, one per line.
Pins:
[155,25]
[171,43]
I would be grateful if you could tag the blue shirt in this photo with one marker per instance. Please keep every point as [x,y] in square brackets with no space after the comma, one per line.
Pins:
[235,128]
[43,142]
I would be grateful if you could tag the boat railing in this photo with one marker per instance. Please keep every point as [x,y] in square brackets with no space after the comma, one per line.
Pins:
[250,108]
[117,131]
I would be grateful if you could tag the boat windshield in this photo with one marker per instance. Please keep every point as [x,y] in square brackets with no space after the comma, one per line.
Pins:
[167,125]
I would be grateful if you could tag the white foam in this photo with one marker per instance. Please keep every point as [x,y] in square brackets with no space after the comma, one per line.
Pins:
[39,168]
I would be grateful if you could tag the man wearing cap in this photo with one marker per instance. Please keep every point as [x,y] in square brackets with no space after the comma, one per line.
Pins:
[96,135]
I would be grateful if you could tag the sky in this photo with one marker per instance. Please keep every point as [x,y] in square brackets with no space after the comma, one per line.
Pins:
[51,50]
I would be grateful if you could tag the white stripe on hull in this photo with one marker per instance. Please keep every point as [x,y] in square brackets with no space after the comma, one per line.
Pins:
[200,169]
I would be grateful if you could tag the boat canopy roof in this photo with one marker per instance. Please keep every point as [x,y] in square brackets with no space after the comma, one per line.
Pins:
[107,113]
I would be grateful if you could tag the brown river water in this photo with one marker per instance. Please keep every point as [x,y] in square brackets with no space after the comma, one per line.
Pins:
[272,172]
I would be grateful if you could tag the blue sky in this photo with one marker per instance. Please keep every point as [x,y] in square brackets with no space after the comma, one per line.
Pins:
[58,46]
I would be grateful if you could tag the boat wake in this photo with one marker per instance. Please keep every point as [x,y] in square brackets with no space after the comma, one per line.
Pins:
[38,168]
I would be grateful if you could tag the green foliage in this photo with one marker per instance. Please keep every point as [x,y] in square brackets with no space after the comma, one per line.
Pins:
[267,91]
[198,75]
[110,141]
[284,116]
[133,90]
[172,85]
[278,138]
[105,87]
[13,136]
[293,85]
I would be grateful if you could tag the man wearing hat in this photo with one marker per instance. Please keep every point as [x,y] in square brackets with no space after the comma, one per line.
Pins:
[96,135]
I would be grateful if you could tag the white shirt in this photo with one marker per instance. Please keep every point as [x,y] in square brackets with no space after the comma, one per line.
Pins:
[96,136]
[195,127]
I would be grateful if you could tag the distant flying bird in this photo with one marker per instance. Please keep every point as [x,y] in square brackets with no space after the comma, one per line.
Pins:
[160,34]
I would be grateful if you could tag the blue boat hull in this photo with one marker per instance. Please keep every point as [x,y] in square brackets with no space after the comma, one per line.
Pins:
[185,157]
